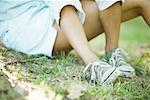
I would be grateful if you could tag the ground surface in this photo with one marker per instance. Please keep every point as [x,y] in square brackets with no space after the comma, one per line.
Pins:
[39,78]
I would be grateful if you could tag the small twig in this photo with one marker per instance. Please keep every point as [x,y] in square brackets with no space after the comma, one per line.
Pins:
[18,61]
[3,64]
[148,87]
[12,79]
[141,83]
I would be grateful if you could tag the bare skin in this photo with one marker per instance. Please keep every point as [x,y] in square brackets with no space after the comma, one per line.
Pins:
[111,21]
[66,39]
[75,34]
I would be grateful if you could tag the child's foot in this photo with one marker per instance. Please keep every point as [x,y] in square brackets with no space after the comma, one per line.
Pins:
[117,59]
[102,72]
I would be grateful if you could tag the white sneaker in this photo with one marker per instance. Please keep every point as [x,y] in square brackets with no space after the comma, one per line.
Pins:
[117,60]
[102,72]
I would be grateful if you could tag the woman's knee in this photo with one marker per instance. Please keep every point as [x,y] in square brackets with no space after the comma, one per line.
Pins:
[143,4]
[92,23]
[134,4]
[67,9]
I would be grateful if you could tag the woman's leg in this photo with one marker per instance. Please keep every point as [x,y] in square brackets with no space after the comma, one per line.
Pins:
[74,33]
[146,12]
[111,20]
[130,9]
[93,26]
[141,7]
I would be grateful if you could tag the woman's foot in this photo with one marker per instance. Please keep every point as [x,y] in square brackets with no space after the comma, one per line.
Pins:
[102,72]
[116,58]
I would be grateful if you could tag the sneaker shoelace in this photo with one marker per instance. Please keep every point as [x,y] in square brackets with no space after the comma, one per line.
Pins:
[98,69]
[117,58]
[93,66]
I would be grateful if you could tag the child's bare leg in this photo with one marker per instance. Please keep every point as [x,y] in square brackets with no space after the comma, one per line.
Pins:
[111,19]
[74,33]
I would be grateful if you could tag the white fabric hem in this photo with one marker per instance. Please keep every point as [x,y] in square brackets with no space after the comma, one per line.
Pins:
[104,4]
[57,9]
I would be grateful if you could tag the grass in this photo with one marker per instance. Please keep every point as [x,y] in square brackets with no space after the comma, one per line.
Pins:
[63,75]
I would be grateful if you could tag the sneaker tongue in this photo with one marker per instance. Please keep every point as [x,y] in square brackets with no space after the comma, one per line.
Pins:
[121,62]
[108,55]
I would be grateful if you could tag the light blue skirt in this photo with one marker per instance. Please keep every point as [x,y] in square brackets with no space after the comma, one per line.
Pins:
[27,27]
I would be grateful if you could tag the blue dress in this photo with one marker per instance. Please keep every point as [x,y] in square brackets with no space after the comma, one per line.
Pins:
[26,26]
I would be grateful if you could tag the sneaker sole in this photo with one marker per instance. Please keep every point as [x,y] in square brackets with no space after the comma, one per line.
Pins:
[127,74]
